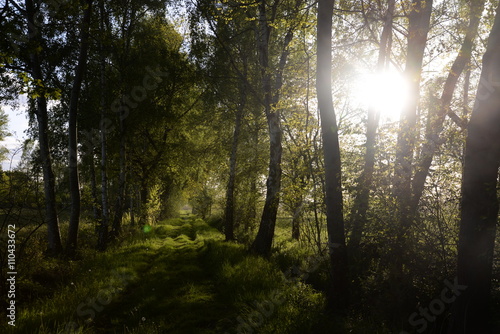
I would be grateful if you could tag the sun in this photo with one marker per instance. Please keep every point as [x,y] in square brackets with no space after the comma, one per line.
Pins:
[386,92]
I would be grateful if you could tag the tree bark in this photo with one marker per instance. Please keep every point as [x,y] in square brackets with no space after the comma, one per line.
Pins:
[264,239]
[132,206]
[102,238]
[419,23]
[360,205]
[93,186]
[120,197]
[54,246]
[479,205]
[339,294]
[250,215]
[229,210]
[74,183]
[297,219]
[435,125]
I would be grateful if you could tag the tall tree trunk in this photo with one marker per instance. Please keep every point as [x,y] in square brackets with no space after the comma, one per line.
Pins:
[339,294]
[93,187]
[103,226]
[120,198]
[465,97]
[126,32]
[360,205]
[229,210]
[264,239]
[297,218]
[74,183]
[132,205]
[54,246]
[479,205]
[419,23]
[250,217]
[435,124]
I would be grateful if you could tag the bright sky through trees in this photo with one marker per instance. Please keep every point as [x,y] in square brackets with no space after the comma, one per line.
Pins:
[18,123]
[386,92]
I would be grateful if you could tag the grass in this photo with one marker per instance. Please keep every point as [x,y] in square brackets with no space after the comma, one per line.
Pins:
[181,277]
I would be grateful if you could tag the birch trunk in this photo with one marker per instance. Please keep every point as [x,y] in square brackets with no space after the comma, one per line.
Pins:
[74,182]
[54,246]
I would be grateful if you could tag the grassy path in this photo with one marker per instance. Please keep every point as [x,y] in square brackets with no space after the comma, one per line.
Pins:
[177,277]
[172,293]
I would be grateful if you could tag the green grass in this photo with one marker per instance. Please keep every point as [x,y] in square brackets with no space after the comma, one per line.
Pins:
[181,277]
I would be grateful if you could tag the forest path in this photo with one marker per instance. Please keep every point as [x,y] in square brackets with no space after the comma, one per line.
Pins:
[172,292]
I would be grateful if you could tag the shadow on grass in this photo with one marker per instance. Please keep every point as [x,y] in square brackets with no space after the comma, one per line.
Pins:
[174,293]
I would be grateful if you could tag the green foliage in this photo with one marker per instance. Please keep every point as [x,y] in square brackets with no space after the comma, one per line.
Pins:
[152,208]
[300,313]
[4,121]
[202,203]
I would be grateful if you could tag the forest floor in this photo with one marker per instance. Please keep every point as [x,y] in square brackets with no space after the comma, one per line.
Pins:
[180,277]
[176,277]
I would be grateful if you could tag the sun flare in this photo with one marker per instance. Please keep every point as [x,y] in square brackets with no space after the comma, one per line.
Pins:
[385,91]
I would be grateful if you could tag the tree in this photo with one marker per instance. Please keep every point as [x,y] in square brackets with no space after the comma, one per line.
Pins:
[479,204]
[74,182]
[418,28]
[129,16]
[263,241]
[339,294]
[231,183]
[271,96]
[360,205]
[102,234]
[437,117]
[301,130]
[229,83]
[35,62]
